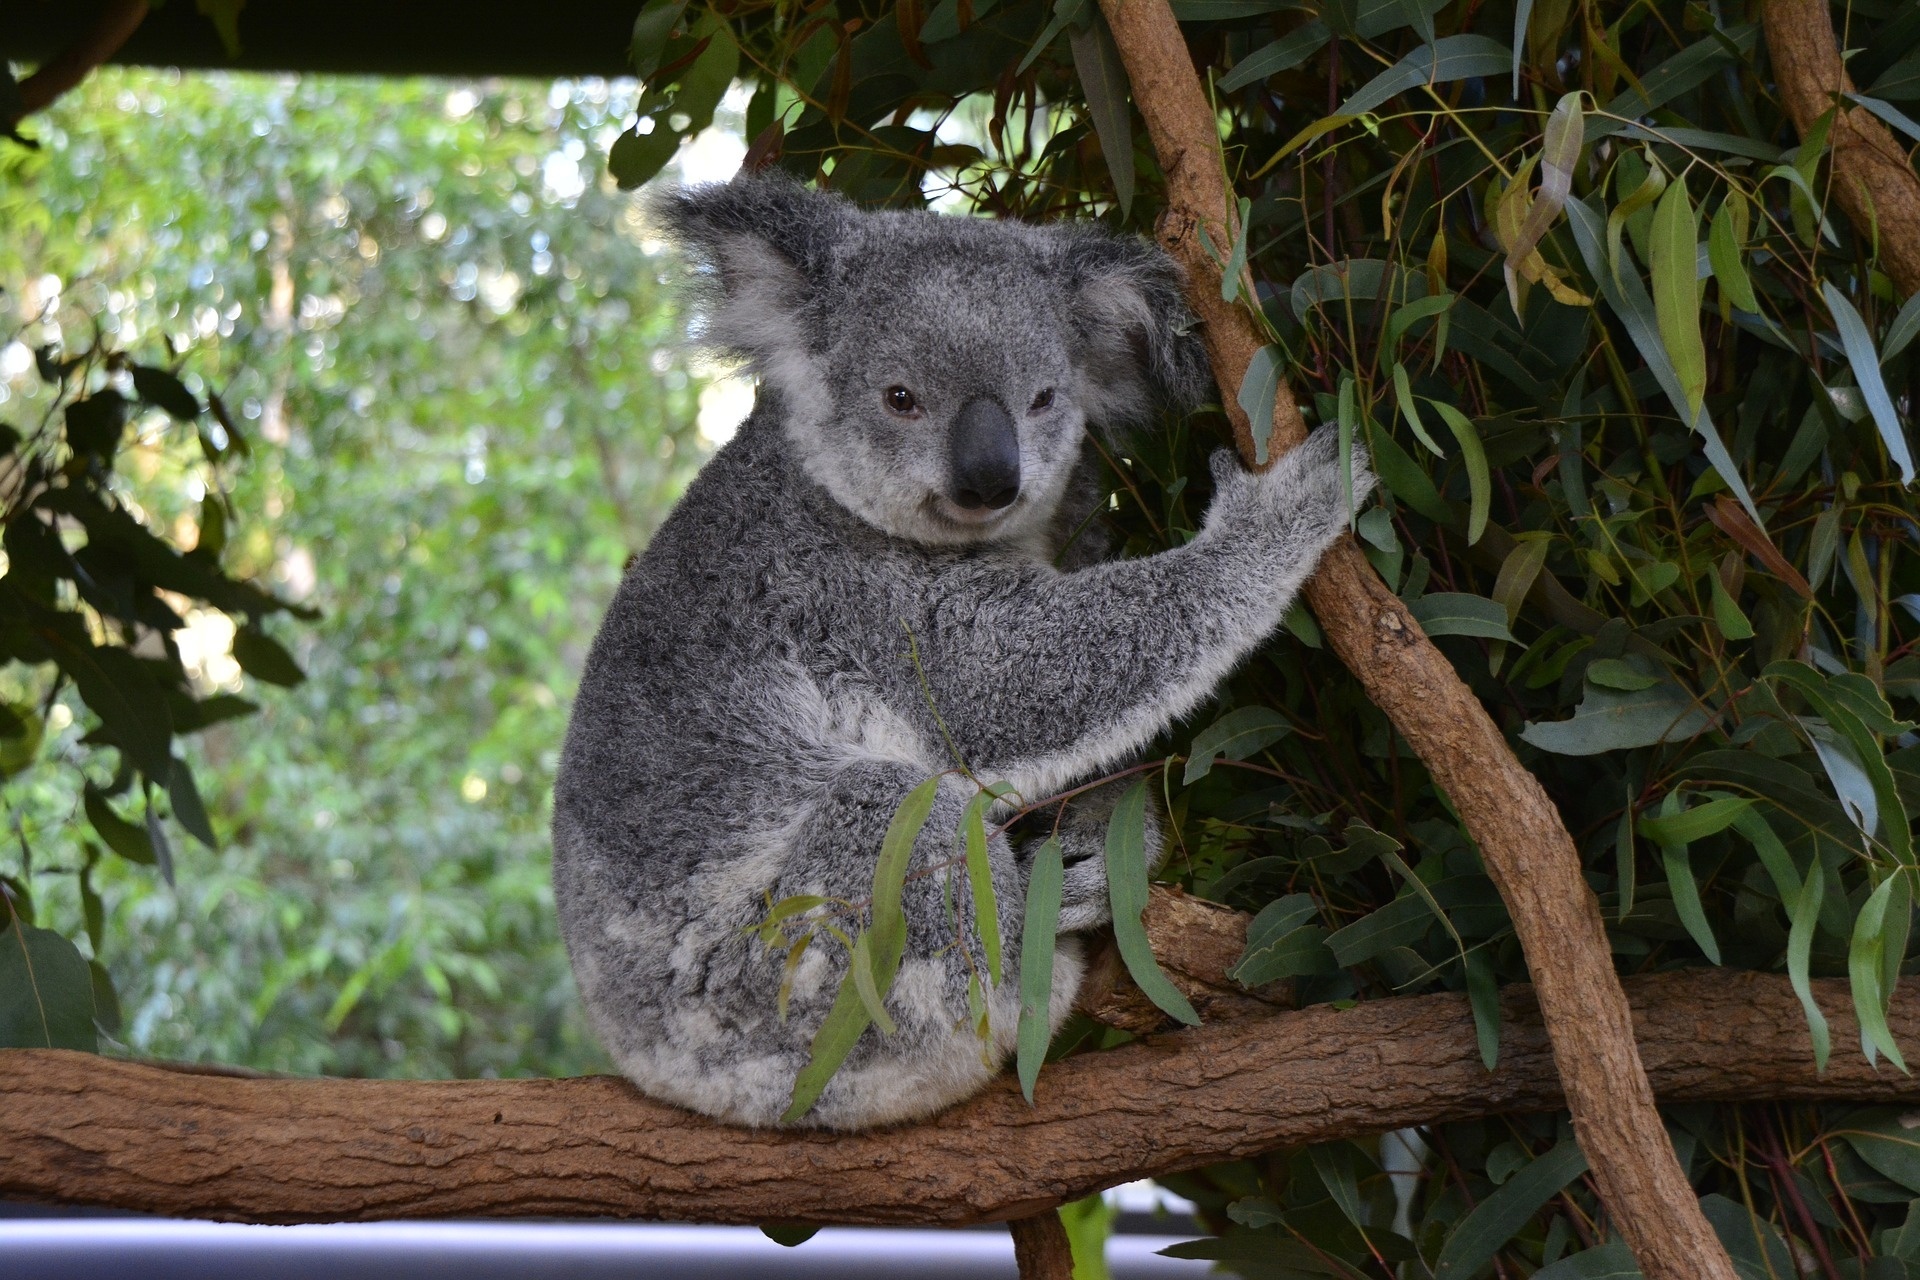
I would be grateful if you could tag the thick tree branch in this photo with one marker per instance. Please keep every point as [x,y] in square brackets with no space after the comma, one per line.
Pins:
[85,1129]
[1529,855]
[1872,177]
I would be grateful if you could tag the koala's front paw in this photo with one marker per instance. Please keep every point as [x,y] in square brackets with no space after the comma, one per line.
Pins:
[1305,491]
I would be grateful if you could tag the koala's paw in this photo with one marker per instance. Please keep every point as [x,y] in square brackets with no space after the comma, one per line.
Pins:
[1305,492]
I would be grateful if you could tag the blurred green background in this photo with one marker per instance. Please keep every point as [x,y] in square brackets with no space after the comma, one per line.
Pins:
[446,339]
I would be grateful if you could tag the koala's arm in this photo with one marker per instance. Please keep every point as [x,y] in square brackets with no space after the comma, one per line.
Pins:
[1050,676]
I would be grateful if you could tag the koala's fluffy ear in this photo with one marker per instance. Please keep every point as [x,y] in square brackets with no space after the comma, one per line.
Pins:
[768,242]
[1138,350]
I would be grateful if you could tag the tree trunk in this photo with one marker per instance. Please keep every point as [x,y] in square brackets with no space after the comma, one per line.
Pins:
[1528,853]
[93,1130]
[1871,176]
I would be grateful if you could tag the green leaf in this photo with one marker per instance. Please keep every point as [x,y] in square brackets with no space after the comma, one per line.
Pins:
[1688,825]
[1858,344]
[1334,1162]
[1447,59]
[1610,720]
[1413,313]
[1403,396]
[1644,193]
[1866,962]
[889,928]
[1283,941]
[1618,673]
[264,658]
[1284,54]
[839,1031]
[1806,920]
[651,30]
[46,991]
[95,424]
[158,387]
[1479,481]
[1686,899]
[861,970]
[1861,752]
[1234,736]
[1257,390]
[986,904]
[1906,324]
[869,976]
[188,810]
[1400,923]
[1127,894]
[1518,572]
[1610,1261]
[1880,1139]
[1727,615]
[1037,934]
[1456,613]
[1403,477]
[1725,250]
[124,838]
[1498,1218]
[790,1235]
[1628,298]
[1104,82]
[1483,993]
[1676,292]
[118,689]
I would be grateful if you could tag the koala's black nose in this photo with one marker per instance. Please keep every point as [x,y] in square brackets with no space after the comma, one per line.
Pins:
[984,451]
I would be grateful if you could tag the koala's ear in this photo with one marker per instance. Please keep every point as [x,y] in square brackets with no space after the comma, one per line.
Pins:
[1137,342]
[768,242]
[1137,345]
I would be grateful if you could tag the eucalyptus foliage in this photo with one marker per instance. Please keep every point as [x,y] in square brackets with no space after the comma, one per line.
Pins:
[1640,400]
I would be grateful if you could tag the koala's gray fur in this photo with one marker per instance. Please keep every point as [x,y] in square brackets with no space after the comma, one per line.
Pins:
[749,718]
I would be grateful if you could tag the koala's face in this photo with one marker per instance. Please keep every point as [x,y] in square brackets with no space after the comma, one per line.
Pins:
[946,407]
[937,375]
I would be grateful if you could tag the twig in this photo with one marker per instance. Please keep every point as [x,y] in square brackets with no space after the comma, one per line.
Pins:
[115,22]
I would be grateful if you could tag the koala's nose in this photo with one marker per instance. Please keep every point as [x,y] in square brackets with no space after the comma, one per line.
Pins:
[984,453]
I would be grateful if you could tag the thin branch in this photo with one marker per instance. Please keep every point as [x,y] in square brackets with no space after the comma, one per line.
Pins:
[111,26]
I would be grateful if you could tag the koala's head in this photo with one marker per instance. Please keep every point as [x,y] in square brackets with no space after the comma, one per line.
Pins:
[937,375]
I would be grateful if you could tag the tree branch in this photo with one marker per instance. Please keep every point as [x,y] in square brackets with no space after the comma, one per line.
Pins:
[86,1129]
[1528,853]
[115,22]
[1871,175]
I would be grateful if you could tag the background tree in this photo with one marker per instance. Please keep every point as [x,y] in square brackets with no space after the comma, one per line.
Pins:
[442,345]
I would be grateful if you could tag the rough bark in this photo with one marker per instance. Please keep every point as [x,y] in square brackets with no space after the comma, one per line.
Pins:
[97,43]
[1872,178]
[1529,855]
[1040,1247]
[92,1130]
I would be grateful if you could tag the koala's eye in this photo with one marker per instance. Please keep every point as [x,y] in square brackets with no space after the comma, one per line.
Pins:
[901,400]
[1041,402]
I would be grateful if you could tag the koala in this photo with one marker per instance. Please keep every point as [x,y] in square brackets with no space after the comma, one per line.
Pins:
[752,712]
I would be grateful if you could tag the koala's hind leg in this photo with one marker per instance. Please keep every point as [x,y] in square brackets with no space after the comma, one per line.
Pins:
[937,1054]
[1082,831]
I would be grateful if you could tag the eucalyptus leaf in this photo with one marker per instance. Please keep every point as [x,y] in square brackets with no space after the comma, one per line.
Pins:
[1127,894]
[1446,59]
[1041,924]
[1234,736]
[46,991]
